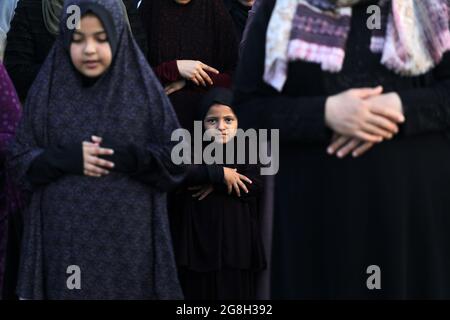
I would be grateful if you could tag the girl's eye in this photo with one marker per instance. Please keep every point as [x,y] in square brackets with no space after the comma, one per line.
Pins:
[229,120]
[211,121]
[77,39]
[102,39]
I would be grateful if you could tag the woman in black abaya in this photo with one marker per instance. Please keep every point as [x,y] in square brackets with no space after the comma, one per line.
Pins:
[364,170]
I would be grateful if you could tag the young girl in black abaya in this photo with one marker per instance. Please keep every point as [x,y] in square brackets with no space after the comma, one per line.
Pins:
[93,152]
[215,217]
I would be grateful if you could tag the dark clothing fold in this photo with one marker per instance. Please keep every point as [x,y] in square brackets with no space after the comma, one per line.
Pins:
[217,240]
[239,14]
[54,163]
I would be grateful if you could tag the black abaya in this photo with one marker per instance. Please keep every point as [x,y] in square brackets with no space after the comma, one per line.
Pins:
[335,218]
[217,240]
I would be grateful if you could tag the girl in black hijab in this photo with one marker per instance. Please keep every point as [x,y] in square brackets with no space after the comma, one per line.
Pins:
[92,151]
[215,217]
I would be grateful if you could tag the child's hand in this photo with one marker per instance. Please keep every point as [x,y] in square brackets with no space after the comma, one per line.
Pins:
[175,86]
[233,179]
[93,165]
[203,191]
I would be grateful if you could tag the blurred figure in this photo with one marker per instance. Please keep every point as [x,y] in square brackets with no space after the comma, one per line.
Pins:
[9,117]
[361,198]
[239,11]
[6,14]
[192,48]
[251,15]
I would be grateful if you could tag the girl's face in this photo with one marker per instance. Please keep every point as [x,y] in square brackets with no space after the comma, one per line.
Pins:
[90,50]
[222,121]
[182,1]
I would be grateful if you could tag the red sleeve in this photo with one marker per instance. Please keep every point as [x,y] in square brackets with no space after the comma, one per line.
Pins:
[167,72]
[221,79]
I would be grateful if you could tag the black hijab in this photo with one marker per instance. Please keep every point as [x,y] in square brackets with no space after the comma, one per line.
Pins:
[214,96]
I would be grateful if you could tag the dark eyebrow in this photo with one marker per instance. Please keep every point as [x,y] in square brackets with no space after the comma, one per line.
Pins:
[95,34]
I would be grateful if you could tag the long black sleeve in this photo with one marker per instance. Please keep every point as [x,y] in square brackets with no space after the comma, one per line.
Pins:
[428,109]
[149,166]
[54,162]
[144,166]
[199,174]
[296,118]
[202,174]
[154,167]
[125,159]
[57,161]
